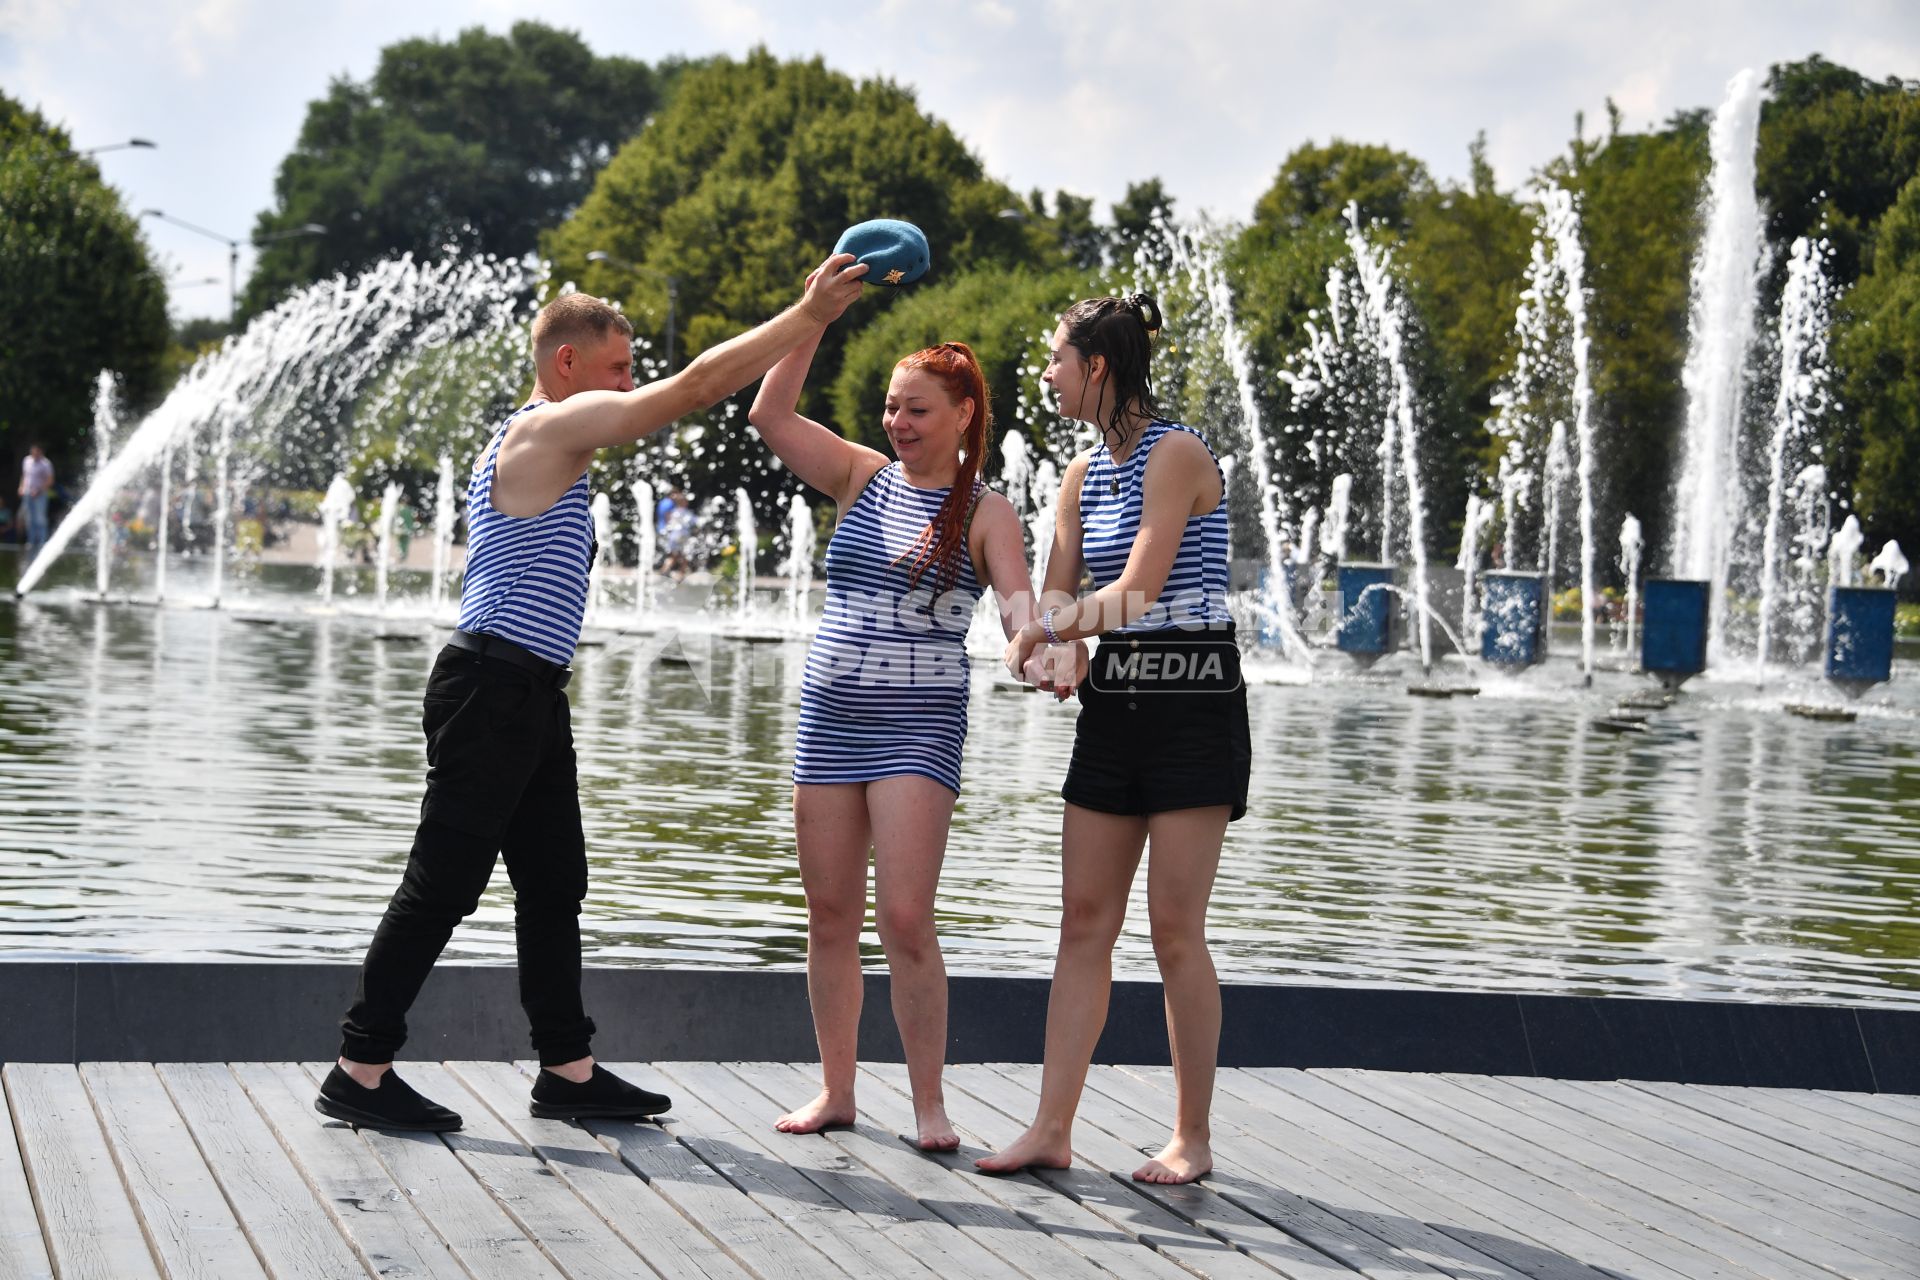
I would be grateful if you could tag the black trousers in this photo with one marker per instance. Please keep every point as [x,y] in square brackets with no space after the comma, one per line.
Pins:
[501,779]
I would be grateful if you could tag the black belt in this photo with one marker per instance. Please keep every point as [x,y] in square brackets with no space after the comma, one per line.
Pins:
[507,651]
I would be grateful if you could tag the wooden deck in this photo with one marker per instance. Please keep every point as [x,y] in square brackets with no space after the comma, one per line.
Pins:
[126,1170]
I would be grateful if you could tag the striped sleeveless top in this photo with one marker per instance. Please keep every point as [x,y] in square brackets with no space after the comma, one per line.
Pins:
[886,683]
[526,578]
[1196,590]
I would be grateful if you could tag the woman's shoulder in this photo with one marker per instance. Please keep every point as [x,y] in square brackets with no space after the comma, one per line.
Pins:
[1177,439]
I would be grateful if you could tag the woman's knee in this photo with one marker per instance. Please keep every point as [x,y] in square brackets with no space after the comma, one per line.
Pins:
[835,917]
[1178,937]
[906,930]
[1091,920]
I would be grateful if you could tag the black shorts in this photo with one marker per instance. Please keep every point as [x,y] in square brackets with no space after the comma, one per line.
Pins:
[1163,725]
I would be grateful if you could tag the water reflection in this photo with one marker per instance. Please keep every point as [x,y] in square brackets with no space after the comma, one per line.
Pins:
[184,782]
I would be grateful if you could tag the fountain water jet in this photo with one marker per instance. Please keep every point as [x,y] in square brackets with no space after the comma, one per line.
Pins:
[389,508]
[1709,502]
[106,423]
[646,535]
[1805,307]
[799,561]
[443,517]
[335,508]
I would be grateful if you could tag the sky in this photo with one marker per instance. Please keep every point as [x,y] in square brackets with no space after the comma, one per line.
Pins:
[1208,95]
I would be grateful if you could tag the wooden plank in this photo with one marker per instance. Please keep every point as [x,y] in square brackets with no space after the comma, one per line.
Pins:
[936,1183]
[671,1244]
[1770,1173]
[23,1251]
[1800,1148]
[90,1225]
[289,1227]
[759,1239]
[1392,1179]
[1013,1090]
[190,1226]
[1518,1197]
[374,1214]
[1762,1115]
[1060,1216]
[1660,1226]
[806,1183]
[1093,1188]
[579,1241]
[939,1217]
[1899,1114]
[1666,1188]
[1662,1116]
[1857,1109]
[1264,1179]
[1809,1110]
[1291,1215]
[483,1238]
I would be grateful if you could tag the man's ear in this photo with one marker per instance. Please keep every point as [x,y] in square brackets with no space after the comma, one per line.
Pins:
[566,358]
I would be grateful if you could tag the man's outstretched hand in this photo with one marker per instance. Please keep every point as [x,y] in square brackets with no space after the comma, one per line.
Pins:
[832,287]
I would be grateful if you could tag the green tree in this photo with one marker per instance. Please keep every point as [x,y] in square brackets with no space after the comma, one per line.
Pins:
[1640,221]
[1878,350]
[1835,149]
[748,176]
[1004,316]
[478,143]
[81,292]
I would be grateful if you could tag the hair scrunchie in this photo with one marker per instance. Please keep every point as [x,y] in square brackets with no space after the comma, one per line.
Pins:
[1143,306]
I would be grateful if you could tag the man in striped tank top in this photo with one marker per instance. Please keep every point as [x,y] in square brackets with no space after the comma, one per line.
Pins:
[501,771]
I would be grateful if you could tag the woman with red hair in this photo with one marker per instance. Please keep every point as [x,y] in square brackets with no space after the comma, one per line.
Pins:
[883,703]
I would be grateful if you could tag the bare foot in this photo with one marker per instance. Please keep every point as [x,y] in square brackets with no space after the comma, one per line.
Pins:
[824,1112]
[936,1131]
[1182,1160]
[1036,1148]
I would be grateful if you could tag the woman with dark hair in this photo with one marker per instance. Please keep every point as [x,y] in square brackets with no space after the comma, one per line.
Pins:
[1161,751]
[883,702]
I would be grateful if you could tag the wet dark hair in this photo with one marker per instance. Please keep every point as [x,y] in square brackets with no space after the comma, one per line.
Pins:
[1122,330]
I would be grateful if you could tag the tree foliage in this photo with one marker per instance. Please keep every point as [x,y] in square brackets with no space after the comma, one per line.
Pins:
[749,175]
[81,292]
[1879,354]
[477,143]
[1004,316]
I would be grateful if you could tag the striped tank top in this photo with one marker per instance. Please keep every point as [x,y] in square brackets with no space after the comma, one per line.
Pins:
[1196,590]
[526,578]
[886,682]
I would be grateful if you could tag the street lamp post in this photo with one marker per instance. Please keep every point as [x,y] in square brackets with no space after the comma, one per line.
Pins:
[142,143]
[233,251]
[672,283]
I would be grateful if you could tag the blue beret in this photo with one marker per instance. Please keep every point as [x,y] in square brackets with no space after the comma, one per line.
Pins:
[895,252]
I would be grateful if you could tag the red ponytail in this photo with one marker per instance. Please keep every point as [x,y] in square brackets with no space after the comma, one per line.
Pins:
[943,542]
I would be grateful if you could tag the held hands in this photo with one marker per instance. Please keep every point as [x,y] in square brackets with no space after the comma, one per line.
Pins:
[1058,669]
[832,287]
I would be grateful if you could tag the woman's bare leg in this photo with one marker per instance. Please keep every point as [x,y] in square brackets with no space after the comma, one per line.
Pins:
[1181,865]
[1099,854]
[830,829]
[910,816]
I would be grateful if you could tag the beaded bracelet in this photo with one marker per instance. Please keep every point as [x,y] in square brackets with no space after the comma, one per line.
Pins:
[1046,625]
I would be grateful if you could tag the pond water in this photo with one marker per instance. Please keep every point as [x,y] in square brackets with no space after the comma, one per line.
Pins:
[181,782]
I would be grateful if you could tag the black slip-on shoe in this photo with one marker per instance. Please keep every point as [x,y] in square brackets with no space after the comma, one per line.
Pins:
[605,1096]
[393,1105]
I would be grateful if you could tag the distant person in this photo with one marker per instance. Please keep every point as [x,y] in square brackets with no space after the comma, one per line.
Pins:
[662,509]
[1161,752]
[883,702]
[501,776]
[676,531]
[36,487]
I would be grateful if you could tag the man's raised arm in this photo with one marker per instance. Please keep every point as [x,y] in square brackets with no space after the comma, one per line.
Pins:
[593,420]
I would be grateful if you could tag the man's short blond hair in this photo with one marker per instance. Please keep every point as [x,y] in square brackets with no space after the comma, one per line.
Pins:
[577,320]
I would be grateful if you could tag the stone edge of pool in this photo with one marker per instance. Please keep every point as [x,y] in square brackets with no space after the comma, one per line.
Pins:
[163,1011]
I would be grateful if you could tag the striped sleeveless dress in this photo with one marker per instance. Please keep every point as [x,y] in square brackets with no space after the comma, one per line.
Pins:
[526,577]
[886,682]
[1196,591]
